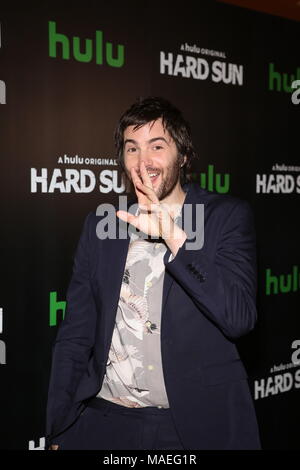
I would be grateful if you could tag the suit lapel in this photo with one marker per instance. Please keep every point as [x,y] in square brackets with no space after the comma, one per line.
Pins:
[114,255]
[168,279]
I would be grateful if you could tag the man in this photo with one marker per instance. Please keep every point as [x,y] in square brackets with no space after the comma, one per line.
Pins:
[145,357]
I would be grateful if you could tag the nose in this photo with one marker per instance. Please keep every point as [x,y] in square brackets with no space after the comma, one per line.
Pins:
[144,156]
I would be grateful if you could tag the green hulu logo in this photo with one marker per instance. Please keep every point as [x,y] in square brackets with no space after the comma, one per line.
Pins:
[55,306]
[283,283]
[213,182]
[282,81]
[99,51]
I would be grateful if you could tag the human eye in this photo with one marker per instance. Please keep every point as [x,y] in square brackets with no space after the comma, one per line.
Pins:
[131,149]
[157,147]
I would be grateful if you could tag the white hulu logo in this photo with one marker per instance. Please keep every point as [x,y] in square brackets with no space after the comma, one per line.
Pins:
[2,344]
[2,83]
[41,445]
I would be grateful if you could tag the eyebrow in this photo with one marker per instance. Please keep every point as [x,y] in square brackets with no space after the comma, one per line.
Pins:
[154,139]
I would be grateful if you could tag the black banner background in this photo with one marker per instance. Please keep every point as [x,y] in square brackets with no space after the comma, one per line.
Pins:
[56,107]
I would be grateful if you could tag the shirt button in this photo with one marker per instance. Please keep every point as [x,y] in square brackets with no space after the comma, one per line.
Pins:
[148,283]
[157,245]
[150,367]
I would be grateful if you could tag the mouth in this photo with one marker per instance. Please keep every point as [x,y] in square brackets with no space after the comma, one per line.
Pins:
[153,176]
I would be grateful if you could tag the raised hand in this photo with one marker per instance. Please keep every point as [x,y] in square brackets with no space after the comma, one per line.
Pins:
[154,218]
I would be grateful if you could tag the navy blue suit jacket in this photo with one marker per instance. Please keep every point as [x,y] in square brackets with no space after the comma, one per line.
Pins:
[209,300]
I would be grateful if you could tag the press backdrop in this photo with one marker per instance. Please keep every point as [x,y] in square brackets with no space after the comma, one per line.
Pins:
[66,74]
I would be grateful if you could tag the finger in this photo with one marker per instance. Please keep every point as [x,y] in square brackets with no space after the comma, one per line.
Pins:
[171,211]
[145,176]
[127,217]
[144,208]
[150,193]
[137,182]
[135,178]
[150,207]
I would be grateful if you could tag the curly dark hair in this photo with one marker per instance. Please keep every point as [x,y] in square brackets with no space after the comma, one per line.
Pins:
[150,109]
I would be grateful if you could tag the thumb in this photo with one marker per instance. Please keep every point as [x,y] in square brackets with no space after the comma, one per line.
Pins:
[127,217]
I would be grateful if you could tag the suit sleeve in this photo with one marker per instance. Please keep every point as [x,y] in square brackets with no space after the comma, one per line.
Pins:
[75,338]
[223,284]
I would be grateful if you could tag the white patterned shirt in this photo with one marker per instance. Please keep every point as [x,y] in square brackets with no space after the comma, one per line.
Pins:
[134,375]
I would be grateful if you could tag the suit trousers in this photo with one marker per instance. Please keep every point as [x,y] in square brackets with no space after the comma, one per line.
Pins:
[104,425]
